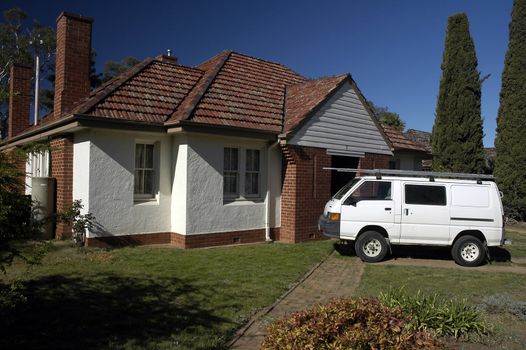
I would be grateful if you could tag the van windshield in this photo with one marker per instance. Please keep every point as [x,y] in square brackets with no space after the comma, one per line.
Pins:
[346,188]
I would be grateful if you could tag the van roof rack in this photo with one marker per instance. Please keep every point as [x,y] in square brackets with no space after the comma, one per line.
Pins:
[430,174]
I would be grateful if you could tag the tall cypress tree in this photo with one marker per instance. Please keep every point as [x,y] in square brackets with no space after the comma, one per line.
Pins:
[457,132]
[510,165]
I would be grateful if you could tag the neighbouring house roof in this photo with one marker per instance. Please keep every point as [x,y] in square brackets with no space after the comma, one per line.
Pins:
[230,89]
[422,138]
[400,141]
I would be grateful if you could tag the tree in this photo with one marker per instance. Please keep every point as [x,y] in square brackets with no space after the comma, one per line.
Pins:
[20,43]
[457,133]
[510,164]
[113,69]
[385,116]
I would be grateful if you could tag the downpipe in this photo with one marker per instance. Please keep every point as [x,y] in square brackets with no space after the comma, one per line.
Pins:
[267,195]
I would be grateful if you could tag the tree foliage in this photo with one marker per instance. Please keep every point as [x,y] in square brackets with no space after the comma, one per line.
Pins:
[457,132]
[510,164]
[113,69]
[20,42]
[385,116]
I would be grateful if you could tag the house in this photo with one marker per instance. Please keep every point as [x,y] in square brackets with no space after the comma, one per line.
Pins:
[408,154]
[229,151]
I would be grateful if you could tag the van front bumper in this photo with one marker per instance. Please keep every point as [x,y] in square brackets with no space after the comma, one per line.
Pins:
[329,228]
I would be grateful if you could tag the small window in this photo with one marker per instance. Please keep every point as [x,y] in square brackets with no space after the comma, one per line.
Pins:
[371,190]
[144,171]
[252,172]
[425,195]
[230,172]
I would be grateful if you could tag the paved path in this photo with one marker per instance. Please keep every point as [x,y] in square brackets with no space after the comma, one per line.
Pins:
[334,277]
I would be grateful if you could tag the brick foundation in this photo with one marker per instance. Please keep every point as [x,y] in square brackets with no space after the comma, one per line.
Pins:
[62,170]
[305,191]
[183,241]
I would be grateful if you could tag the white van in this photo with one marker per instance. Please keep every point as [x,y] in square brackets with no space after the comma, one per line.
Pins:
[379,211]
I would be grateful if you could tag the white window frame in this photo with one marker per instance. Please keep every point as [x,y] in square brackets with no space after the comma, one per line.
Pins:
[146,197]
[242,171]
[232,195]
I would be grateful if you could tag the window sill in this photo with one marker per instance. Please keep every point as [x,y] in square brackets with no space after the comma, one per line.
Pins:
[145,201]
[243,201]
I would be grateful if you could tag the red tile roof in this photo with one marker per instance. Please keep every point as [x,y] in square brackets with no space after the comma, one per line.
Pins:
[399,141]
[246,92]
[230,89]
[303,98]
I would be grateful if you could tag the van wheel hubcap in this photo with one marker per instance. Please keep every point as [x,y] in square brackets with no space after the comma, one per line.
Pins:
[372,248]
[470,252]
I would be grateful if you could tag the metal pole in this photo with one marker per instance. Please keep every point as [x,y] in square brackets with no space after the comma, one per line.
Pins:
[37,87]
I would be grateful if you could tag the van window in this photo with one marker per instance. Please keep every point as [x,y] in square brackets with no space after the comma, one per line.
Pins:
[346,188]
[425,195]
[371,190]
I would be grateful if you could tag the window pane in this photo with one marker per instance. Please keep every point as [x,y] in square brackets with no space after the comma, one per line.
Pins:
[230,183]
[252,160]
[148,163]
[252,183]
[139,155]
[139,182]
[372,190]
[148,182]
[230,159]
[426,195]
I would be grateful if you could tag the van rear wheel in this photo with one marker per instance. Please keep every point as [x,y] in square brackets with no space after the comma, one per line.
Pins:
[468,251]
[371,247]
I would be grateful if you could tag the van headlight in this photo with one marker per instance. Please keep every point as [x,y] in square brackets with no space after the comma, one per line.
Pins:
[333,216]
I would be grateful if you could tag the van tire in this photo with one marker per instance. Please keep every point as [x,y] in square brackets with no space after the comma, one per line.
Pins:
[371,247]
[468,251]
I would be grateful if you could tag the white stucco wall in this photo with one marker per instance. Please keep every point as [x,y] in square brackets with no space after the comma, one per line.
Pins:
[111,182]
[179,163]
[81,169]
[206,210]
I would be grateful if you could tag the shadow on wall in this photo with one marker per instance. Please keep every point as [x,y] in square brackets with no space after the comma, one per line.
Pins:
[106,311]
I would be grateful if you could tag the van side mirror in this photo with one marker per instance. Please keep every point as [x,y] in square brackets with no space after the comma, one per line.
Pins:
[350,201]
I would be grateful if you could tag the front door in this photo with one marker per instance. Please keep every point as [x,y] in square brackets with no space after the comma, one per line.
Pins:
[425,214]
[370,204]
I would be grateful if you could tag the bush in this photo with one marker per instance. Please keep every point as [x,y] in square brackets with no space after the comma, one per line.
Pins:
[503,303]
[347,324]
[434,314]
[11,297]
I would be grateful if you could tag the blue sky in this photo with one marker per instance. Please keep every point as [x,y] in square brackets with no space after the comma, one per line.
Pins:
[393,49]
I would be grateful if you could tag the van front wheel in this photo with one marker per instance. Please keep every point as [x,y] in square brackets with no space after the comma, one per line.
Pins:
[468,251]
[371,246]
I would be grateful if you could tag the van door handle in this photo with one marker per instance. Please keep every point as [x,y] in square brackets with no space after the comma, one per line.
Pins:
[387,209]
[406,211]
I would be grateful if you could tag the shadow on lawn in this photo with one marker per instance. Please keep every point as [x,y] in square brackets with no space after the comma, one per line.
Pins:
[105,311]
[497,254]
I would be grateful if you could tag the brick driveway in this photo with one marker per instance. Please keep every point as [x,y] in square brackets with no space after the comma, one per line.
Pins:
[334,277]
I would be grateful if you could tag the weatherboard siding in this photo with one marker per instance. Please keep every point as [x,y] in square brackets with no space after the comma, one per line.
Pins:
[342,125]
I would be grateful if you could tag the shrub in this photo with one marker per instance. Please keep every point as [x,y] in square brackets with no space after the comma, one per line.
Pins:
[503,303]
[11,297]
[347,324]
[434,314]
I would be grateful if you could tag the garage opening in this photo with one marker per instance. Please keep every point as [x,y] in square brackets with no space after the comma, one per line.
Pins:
[339,179]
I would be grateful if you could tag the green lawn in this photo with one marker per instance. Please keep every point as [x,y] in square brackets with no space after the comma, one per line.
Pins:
[448,282]
[135,298]
[518,247]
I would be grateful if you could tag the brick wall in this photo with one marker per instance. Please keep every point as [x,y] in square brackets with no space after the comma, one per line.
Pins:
[72,62]
[62,170]
[374,161]
[305,191]
[19,99]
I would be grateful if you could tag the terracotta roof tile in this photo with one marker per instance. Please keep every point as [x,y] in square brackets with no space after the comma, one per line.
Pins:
[303,98]
[246,92]
[400,141]
[422,138]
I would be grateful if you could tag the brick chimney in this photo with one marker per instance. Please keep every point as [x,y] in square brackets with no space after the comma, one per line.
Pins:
[19,99]
[72,69]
